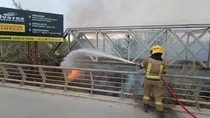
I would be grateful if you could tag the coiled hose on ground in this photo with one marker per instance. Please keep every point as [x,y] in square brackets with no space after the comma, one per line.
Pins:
[177,100]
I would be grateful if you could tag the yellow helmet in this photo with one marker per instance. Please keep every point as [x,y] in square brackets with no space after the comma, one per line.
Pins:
[156,49]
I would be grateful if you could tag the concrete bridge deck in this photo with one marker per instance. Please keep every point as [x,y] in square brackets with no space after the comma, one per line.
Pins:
[16,103]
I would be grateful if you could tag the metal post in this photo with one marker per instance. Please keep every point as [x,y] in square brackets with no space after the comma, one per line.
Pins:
[209,54]
[96,44]
[188,38]
[128,37]
[22,74]
[92,83]
[165,45]
[122,87]
[104,41]
[43,77]
[2,51]
[197,93]
[6,74]
[69,42]
[66,81]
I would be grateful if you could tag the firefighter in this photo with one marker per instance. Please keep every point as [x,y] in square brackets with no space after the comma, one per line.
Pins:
[154,68]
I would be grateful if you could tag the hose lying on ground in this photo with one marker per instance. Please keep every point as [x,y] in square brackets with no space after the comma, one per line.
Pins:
[172,93]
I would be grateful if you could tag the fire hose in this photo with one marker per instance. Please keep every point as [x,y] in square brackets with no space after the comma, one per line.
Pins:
[177,100]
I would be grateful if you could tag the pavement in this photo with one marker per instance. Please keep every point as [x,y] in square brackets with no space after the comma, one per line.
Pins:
[17,103]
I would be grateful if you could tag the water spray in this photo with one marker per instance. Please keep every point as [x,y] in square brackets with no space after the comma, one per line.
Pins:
[68,62]
[74,55]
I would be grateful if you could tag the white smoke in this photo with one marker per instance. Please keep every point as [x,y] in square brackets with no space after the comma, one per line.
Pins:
[87,13]
[93,13]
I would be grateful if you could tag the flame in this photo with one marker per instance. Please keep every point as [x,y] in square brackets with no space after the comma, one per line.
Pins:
[73,75]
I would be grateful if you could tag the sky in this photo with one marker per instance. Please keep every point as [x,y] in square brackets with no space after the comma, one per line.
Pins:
[94,13]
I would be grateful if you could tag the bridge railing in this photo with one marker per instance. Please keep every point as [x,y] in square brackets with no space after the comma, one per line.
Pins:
[191,90]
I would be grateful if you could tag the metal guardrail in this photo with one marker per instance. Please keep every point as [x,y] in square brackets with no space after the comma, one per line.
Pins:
[191,90]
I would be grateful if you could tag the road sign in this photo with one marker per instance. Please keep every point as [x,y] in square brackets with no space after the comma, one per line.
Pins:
[22,25]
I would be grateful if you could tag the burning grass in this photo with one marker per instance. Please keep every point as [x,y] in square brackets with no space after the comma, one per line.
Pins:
[73,75]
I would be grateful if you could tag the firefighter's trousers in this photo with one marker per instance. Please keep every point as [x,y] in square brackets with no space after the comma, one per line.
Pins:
[157,91]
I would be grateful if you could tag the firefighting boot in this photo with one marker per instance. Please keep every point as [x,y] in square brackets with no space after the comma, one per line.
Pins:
[161,114]
[146,107]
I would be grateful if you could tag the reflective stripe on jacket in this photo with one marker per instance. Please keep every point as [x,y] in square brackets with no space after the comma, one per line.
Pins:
[154,68]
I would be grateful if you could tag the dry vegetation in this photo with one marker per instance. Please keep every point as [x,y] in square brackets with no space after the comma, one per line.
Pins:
[188,89]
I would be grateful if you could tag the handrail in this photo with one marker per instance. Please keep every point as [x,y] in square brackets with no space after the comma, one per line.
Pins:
[92,81]
[101,70]
[70,68]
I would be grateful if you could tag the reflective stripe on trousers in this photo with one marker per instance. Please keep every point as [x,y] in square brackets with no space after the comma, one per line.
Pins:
[146,97]
[158,103]
[157,89]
